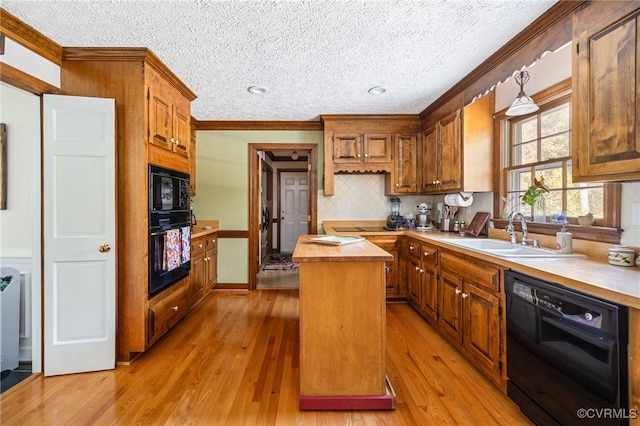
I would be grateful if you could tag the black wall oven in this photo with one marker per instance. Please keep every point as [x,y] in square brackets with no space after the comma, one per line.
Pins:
[169,228]
[567,360]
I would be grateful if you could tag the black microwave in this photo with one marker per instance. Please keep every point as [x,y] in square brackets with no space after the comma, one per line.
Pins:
[168,190]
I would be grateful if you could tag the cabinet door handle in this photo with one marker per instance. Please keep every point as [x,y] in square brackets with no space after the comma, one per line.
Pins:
[177,142]
[359,156]
[397,185]
[457,291]
[172,140]
[386,269]
[417,268]
[411,247]
[175,308]
[426,253]
[421,271]
[465,295]
[366,156]
[200,245]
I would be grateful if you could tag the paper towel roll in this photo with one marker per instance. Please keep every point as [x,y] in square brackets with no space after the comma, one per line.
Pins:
[459,199]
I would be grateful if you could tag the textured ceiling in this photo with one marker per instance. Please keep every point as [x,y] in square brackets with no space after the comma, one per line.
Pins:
[313,56]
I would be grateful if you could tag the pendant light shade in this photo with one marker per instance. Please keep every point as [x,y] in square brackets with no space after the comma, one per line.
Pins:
[523,104]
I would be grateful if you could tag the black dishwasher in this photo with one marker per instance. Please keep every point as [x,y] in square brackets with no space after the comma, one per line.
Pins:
[567,357]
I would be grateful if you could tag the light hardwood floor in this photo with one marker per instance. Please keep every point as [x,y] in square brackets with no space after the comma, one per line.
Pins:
[234,361]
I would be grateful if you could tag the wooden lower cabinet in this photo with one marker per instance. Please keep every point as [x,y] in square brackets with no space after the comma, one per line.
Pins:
[168,310]
[204,265]
[198,270]
[463,298]
[470,310]
[422,277]
[211,260]
[395,287]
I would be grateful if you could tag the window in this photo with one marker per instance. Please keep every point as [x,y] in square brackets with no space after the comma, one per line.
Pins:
[540,146]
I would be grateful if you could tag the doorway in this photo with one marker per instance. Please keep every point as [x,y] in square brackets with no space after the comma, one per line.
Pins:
[307,156]
[293,208]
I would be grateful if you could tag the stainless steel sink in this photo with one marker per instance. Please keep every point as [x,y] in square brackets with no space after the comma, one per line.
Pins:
[505,249]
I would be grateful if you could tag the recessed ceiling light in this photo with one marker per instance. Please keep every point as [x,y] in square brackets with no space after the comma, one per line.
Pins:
[257,90]
[377,90]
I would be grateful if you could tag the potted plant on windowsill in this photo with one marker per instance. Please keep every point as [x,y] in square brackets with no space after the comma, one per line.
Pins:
[534,196]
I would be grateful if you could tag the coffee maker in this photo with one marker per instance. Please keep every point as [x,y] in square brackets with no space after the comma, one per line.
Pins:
[395,219]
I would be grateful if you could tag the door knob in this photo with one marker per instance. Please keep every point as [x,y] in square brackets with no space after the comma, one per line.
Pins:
[105,248]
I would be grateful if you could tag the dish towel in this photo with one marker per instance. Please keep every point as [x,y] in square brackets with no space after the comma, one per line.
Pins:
[186,243]
[172,249]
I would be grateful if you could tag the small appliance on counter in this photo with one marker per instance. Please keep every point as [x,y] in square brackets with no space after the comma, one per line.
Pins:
[422,218]
[395,220]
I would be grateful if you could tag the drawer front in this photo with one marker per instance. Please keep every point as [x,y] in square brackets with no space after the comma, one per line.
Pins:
[481,273]
[164,314]
[429,253]
[413,248]
[197,246]
[211,241]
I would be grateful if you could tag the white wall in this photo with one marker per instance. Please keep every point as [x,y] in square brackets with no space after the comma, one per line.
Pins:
[20,222]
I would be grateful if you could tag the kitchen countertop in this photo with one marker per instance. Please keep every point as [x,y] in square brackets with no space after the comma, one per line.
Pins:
[361,251]
[593,274]
[205,227]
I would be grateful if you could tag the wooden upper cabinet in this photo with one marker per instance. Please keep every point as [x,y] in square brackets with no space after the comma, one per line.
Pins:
[358,148]
[192,159]
[182,131]
[606,119]
[405,169]
[457,151]
[377,148]
[169,120]
[160,121]
[450,175]
[347,148]
[366,144]
[430,160]
[441,159]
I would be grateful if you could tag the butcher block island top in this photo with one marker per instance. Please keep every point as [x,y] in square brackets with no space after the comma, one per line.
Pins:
[342,326]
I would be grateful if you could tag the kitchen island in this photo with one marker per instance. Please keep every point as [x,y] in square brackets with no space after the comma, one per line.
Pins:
[342,326]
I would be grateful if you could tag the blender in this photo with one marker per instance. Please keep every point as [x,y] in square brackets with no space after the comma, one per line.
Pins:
[395,219]
[422,218]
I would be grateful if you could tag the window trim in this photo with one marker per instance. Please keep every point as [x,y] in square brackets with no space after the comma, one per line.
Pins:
[606,229]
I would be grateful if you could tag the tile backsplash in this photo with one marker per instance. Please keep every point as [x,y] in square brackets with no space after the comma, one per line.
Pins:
[362,197]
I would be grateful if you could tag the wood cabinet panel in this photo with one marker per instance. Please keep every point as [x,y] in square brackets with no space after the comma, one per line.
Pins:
[198,270]
[429,290]
[405,168]
[211,260]
[390,245]
[347,148]
[450,306]
[450,167]
[482,328]
[167,312]
[606,121]
[482,273]
[430,161]
[377,148]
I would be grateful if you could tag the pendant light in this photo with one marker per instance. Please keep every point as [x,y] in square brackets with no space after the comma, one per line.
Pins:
[523,104]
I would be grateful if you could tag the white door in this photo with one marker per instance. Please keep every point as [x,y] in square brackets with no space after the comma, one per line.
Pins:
[294,211]
[79,234]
